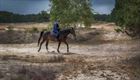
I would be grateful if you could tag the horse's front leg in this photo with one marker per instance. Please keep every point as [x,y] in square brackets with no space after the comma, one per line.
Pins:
[67,46]
[47,42]
[58,46]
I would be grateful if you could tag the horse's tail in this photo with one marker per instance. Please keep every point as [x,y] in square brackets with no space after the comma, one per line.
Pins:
[41,33]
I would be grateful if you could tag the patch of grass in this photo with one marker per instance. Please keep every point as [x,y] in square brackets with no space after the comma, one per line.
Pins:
[34,29]
[1,75]
[18,78]
[35,73]
[7,57]
[56,59]
[10,28]
[34,59]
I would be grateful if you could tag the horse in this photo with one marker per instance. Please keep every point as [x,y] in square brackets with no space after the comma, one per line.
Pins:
[48,36]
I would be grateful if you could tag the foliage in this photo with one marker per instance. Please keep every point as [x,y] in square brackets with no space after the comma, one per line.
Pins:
[101,17]
[10,28]
[71,12]
[126,14]
[9,17]
[34,29]
[43,16]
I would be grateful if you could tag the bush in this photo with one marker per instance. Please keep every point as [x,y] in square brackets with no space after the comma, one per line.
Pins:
[126,15]
[34,29]
[10,28]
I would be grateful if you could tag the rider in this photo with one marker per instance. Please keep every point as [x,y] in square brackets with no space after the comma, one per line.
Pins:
[56,29]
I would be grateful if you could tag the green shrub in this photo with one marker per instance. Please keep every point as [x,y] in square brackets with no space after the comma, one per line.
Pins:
[34,29]
[126,15]
[10,28]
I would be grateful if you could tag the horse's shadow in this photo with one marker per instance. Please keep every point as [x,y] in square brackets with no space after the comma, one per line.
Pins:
[68,53]
[62,53]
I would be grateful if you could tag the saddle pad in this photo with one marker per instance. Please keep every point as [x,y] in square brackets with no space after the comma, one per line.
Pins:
[53,34]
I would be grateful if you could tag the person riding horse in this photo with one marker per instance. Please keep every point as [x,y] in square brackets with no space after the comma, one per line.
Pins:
[46,36]
[56,29]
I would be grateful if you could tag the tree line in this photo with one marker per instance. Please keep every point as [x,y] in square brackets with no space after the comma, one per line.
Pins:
[9,17]
[126,14]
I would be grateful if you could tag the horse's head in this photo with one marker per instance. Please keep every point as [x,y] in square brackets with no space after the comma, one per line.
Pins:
[72,31]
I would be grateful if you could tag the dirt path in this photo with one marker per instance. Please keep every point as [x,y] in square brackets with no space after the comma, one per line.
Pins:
[112,48]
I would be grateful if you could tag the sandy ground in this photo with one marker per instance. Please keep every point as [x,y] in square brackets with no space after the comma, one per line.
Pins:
[104,57]
[109,48]
[96,57]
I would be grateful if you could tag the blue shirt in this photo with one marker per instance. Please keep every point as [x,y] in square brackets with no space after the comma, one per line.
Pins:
[56,28]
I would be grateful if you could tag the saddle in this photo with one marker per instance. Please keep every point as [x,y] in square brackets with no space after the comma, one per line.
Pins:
[54,34]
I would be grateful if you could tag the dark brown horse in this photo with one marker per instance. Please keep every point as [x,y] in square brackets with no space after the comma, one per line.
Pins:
[62,38]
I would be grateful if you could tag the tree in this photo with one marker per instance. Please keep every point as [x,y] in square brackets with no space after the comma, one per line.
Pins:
[43,16]
[101,17]
[71,12]
[126,14]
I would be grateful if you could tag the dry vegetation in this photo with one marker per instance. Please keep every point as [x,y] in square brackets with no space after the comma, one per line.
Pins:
[99,54]
[23,26]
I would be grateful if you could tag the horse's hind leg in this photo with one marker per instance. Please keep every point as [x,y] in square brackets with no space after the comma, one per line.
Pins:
[58,47]
[41,44]
[47,44]
[67,46]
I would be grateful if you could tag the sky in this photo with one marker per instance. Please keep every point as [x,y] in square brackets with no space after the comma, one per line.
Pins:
[35,6]
[103,6]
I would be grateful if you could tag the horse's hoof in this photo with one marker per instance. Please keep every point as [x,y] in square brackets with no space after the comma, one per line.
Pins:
[58,51]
